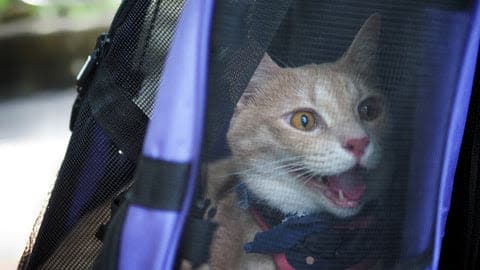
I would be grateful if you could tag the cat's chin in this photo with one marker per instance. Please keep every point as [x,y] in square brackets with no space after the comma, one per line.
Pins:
[342,192]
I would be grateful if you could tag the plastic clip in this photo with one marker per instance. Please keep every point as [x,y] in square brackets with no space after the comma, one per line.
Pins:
[85,73]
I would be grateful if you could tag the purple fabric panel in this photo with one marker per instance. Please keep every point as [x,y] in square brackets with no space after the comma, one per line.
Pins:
[455,132]
[434,103]
[151,235]
[174,134]
[441,117]
[90,175]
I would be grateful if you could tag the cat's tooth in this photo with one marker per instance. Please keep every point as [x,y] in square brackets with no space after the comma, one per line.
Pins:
[340,195]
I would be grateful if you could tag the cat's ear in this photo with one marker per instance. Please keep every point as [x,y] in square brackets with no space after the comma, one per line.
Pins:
[360,57]
[265,70]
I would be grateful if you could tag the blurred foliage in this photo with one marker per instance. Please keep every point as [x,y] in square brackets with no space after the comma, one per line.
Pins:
[3,4]
[11,10]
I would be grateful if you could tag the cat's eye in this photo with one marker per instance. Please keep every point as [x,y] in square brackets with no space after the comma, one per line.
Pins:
[303,120]
[370,108]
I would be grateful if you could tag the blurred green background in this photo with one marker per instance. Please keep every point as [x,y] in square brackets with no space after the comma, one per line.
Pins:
[43,43]
[11,10]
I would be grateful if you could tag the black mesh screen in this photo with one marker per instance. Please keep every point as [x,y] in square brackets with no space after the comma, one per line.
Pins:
[106,139]
[92,172]
[163,18]
[108,135]
[413,50]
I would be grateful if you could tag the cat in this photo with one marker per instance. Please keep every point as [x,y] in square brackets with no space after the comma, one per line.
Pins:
[304,140]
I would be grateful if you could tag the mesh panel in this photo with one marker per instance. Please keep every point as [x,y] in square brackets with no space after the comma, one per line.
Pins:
[415,41]
[100,158]
[164,18]
[108,135]
[92,172]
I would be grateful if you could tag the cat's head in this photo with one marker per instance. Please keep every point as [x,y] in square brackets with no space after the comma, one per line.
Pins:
[306,139]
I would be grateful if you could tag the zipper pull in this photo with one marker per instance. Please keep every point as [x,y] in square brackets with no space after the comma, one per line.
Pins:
[84,76]
[93,60]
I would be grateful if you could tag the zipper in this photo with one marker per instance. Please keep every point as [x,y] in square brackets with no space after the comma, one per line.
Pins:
[85,75]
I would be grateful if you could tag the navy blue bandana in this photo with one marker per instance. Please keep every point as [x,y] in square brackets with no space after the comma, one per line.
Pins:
[315,241]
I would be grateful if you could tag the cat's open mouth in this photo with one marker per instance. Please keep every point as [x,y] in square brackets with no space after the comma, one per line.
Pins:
[344,190]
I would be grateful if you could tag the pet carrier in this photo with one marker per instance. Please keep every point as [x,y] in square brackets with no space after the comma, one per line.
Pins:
[283,134]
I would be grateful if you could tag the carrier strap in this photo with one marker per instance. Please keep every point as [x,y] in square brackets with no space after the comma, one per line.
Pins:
[198,234]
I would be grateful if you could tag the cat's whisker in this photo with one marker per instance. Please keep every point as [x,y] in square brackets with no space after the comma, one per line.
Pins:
[307,173]
[279,160]
[285,169]
[262,166]
[296,169]
[309,178]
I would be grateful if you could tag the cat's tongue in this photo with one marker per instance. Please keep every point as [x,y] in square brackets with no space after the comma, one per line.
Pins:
[349,185]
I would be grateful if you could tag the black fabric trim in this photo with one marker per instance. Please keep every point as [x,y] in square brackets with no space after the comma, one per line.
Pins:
[113,109]
[160,184]
[108,258]
[111,103]
[461,244]
[198,234]
[196,240]
[115,206]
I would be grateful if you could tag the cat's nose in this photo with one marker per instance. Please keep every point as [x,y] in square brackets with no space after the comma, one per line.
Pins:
[356,146]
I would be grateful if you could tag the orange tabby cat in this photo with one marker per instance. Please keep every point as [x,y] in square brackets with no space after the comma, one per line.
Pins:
[304,140]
